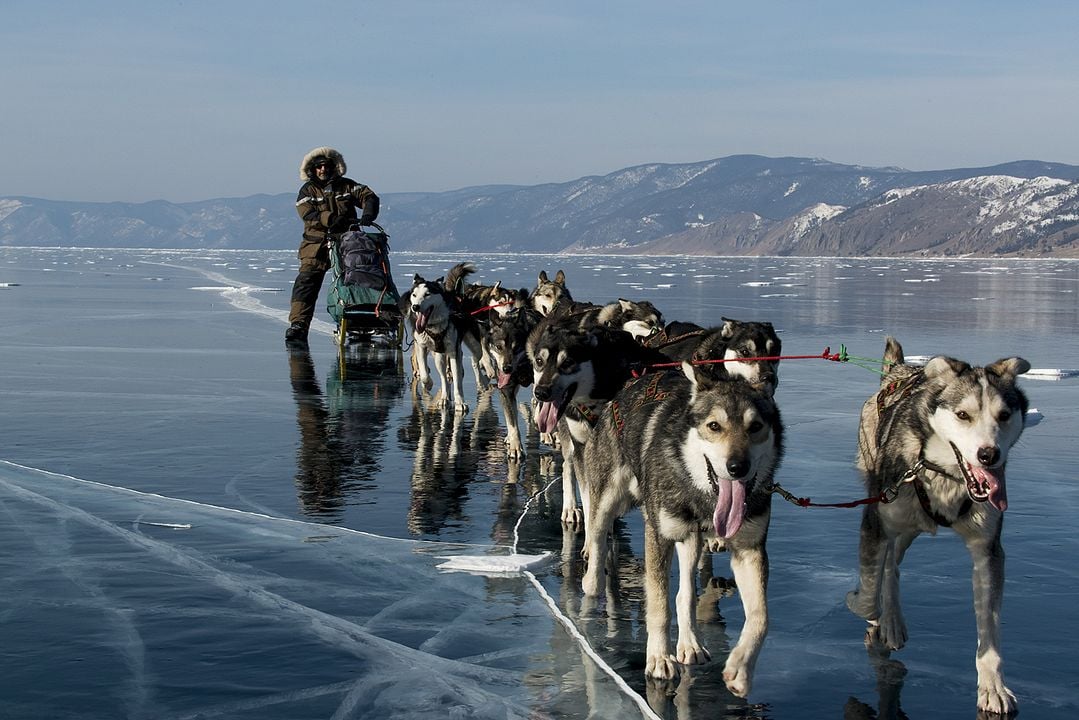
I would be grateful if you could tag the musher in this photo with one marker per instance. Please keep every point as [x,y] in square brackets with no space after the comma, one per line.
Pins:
[327,203]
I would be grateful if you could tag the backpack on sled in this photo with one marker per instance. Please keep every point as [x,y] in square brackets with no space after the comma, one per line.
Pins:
[363,299]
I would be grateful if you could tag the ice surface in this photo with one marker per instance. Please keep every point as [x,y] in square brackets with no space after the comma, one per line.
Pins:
[197,523]
[237,592]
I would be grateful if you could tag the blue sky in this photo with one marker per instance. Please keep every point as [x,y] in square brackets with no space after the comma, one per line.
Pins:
[137,101]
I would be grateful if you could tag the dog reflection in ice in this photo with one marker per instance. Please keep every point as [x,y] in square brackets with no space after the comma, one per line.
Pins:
[939,437]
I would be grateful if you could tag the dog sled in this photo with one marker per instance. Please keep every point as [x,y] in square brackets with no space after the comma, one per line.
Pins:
[363,299]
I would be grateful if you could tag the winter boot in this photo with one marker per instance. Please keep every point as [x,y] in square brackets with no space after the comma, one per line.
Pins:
[296,337]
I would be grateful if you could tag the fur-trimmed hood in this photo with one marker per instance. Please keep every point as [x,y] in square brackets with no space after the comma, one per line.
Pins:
[307,172]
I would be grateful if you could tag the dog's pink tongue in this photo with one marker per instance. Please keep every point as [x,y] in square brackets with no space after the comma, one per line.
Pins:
[546,417]
[730,507]
[994,480]
[504,379]
[422,318]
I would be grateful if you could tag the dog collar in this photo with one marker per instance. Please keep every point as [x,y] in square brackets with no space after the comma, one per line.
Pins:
[587,414]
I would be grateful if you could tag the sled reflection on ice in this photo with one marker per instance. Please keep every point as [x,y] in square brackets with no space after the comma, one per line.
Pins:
[147,606]
[341,428]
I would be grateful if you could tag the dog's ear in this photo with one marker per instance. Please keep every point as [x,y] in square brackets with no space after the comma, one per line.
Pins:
[560,278]
[1007,368]
[690,372]
[625,304]
[498,284]
[941,365]
[700,380]
[416,279]
[728,328]
[893,355]
[543,276]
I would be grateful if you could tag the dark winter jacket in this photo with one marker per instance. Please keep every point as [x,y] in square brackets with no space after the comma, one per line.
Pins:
[331,208]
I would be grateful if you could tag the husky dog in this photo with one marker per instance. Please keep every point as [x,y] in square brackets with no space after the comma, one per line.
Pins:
[697,454]
[507,341]
[576,372]
[937,438]
[493,298]
[550,293]
[639,318]
[441,329]
[488,304]
[730,342]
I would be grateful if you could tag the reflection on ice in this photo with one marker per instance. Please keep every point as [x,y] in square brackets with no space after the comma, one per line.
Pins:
[338,456]
[229,617]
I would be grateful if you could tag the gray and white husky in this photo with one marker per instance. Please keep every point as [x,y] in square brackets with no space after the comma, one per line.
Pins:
[507,341]
[938,437]
[576,372]
[724,350]
[550,294]
[697,454]
[440,329]
[639,318]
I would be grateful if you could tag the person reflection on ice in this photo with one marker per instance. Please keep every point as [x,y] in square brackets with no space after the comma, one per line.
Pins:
[342,429]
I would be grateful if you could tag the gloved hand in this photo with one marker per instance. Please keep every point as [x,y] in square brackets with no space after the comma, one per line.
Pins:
[339,223]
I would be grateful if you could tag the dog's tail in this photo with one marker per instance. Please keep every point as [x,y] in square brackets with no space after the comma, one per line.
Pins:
[455,279]
[893,356]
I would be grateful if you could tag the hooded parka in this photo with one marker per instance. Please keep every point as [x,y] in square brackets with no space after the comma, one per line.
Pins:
[331,207]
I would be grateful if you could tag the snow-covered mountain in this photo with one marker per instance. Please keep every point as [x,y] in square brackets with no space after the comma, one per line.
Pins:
[738,205]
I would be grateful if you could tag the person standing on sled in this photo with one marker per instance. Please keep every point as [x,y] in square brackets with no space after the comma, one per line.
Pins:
[327,203]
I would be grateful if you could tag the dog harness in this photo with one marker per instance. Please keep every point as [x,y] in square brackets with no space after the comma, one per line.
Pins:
[651,394]
[660,339]
[923,495]
[581,411]
[888,398]
[439,340]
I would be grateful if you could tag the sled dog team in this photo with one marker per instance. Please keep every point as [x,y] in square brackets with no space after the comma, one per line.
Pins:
[681,421]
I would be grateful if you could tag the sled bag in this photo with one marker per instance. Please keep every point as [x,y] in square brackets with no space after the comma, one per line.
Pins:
[365,259]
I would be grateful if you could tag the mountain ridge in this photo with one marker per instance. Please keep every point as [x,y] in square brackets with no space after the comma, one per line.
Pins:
[736,205]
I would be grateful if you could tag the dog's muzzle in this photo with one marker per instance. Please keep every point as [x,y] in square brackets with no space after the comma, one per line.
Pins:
[984,484]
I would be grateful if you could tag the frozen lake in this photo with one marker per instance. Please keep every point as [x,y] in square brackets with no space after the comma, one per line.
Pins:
[199,524]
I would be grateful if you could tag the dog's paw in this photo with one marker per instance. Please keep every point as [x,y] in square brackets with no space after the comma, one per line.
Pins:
[892,631]
[514,450]
[883,639]
[994,697]
[460,408]
[572,516]
[691,652]
[427,382]
[713,544]
[737,674]
[592,582]
[661,666]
